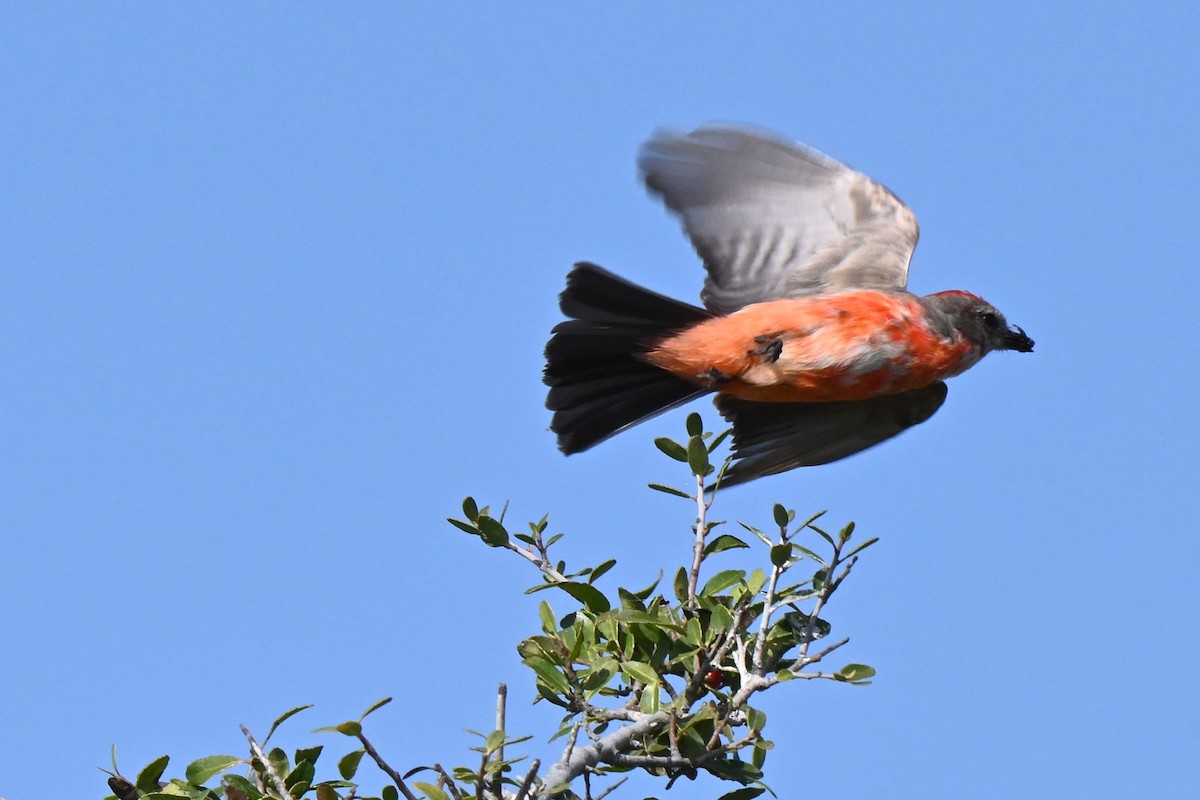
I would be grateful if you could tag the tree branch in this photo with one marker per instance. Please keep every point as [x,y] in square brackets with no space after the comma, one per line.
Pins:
[698,541]
[603,751]
[276,778]
[383,765]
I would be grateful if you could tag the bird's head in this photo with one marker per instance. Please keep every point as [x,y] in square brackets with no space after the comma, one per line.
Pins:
[980,322]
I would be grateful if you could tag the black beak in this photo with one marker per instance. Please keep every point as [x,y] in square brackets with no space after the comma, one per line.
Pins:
[1015,339]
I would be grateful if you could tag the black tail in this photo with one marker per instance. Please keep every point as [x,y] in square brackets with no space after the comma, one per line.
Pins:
[598,384]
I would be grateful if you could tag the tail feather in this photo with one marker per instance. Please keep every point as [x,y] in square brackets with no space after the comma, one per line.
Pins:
[598,383]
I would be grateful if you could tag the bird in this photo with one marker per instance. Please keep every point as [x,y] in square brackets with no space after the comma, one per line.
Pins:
[809,337]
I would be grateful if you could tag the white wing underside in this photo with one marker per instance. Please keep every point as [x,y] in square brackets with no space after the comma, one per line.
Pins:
[773,219]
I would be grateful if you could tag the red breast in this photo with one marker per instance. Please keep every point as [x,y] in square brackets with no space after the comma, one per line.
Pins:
[848,346]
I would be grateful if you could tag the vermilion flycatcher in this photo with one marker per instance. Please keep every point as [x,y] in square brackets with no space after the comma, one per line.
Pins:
[812,342]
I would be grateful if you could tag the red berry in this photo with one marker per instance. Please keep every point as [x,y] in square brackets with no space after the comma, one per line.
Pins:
[714,679]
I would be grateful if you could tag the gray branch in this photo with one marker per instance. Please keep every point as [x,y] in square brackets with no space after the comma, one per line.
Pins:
[605,750]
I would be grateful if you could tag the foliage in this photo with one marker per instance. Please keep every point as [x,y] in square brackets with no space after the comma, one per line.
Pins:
[658,681]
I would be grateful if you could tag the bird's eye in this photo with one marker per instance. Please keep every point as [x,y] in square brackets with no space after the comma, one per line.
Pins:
[990,319]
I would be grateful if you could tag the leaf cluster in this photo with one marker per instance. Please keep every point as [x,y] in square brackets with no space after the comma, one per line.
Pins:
[664,679]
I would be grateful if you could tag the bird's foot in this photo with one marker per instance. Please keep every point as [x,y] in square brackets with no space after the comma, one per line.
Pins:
[770,347]
[712,377]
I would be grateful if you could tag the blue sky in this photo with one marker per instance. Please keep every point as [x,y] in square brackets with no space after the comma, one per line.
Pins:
[274,284]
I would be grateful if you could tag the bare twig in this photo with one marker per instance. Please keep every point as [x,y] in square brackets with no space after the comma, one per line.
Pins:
[444,779]
[610,789]
[383,765]
[669,762]
[528,782]
[571,738]
[542,562]
[698,542]
[804,662]
[760,645]
[501,699]
[276,778]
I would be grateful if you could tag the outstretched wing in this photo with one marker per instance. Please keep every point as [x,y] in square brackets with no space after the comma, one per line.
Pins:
[775,437]
[773,218]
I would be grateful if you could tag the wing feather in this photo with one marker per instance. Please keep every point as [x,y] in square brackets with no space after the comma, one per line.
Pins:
[772,218]
[774,437]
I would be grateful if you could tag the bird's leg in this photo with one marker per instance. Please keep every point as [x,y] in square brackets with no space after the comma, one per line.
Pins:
[712,377]
[770,347]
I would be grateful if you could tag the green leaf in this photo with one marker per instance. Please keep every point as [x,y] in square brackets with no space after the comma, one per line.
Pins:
[430,791]
[765,539]
[681,585]
[745,793]
[378,705]
[494,740]
[723,580]
[151,774]
[697,456]
[546,613]
[721,437]
[756,581]
[247,788]
[302,774]
[121,788]
[462,526]
[782,517]
[310,754]
[648,618]
[861,547]
[291,712]
[202,769]
[390,793]
[550,675]
[739,771]
[808,522]
[724,542]
[658,487]
[591,597]
[348,765]
[822,534]
[671,448]
[819,578]
[651,699]
[810,554]
[780,554]
[601,569]
[493,531]
[720,619]
[855,673]
[630,601]
[279,760]
[845,533]
[561,732]
[643,594]
[348,728]
[695,425]
[755,719]
[470,509]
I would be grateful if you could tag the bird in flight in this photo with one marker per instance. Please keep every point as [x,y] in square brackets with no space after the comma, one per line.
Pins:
[809,337]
